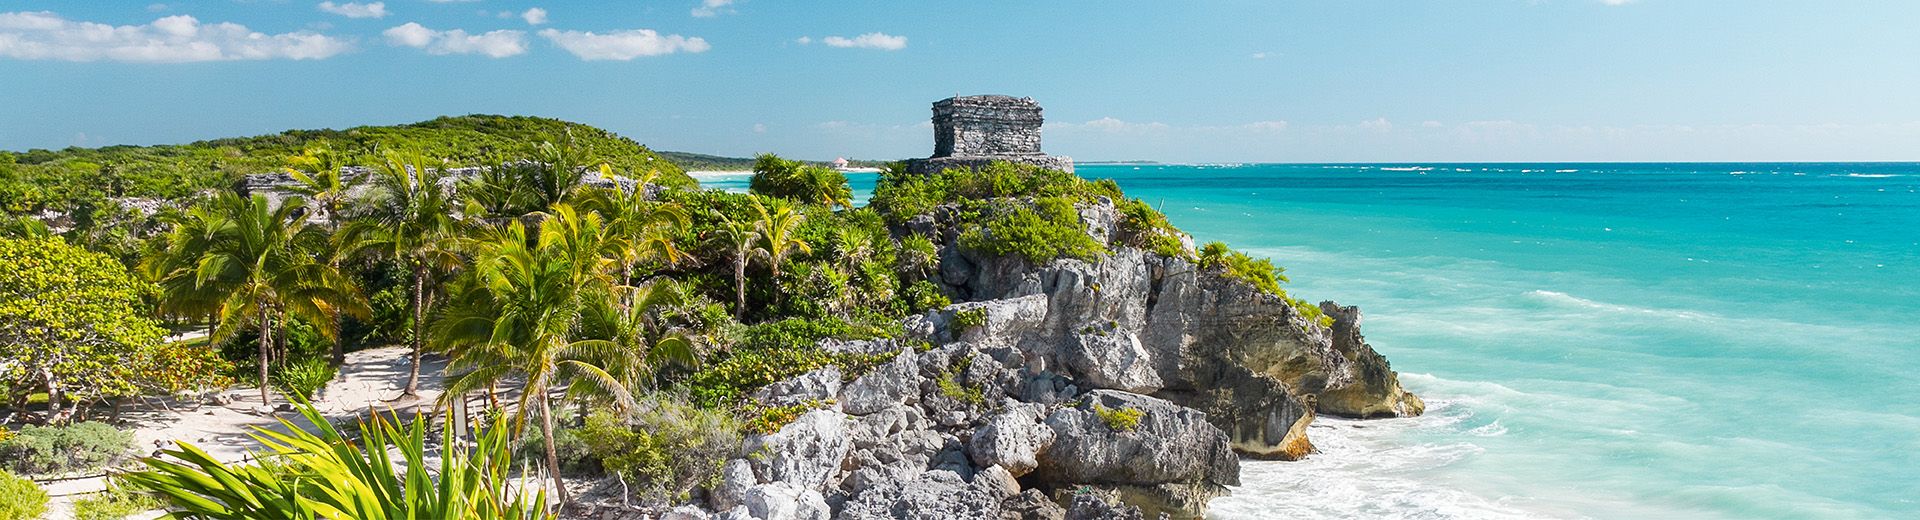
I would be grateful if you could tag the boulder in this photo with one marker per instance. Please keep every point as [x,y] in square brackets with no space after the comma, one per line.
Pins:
[934,495]
[1375,390]
[892,384]
[686,513]
[736,476]
[818,386]
[1012,440]
[1166,443]
[806,453]
[784,501]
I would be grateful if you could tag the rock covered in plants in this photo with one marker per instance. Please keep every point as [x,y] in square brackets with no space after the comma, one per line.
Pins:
[1163,443]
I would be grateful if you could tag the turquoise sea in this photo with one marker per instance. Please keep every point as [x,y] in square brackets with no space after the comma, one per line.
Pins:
[1625,341]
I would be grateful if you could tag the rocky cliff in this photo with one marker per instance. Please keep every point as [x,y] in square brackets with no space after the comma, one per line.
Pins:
[1126,387]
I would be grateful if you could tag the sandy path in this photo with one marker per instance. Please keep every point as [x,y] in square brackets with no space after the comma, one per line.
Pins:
[370,380]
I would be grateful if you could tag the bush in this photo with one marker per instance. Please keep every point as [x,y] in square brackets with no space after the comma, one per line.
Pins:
[665,449]
[923,295]
[570,446]
[51,450]
[901,196]
[1048,230]
[967,319]
[20,499]
[114,504]
[1119,419]
[303,378]
[1147,228]
[800,182]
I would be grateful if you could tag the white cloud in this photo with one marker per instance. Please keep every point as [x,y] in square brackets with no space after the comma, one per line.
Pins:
[710,8]
[1616,2]
[874,40]
[1259,55]
[356,10]
[805,40]
[174,39]
[493,44]
[623,45]
[534,16]
[156,7]
[759,128]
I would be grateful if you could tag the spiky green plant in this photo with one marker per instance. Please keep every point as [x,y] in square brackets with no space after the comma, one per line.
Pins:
[306,475]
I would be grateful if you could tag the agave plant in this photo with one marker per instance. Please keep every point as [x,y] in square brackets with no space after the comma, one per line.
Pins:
[305,475]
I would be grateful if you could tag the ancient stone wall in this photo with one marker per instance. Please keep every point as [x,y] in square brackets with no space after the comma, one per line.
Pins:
[973,131]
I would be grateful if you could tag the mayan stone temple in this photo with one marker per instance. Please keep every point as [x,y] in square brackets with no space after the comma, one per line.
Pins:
[972,131]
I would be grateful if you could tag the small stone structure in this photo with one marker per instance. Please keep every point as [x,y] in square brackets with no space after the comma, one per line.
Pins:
[973,131]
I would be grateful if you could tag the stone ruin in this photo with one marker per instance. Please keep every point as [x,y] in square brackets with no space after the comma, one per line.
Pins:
[973,131]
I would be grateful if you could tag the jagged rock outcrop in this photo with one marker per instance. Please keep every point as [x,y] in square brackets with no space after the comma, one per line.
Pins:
[1127,387]
[1145,323]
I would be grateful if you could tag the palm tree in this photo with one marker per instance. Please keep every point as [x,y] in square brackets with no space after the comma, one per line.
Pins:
[520,313]
[327,188]
[776,227]
[263,257]
[557,169]
[414,225]
[174,264]
[742,244]
[644,227]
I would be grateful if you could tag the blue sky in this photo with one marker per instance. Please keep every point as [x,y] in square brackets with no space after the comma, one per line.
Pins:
[1249,80]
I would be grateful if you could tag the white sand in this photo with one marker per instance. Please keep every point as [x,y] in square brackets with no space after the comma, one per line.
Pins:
[371,380]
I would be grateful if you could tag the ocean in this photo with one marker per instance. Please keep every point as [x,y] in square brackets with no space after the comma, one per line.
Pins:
[1631,341]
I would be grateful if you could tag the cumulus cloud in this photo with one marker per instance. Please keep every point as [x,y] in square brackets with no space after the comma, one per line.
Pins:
[493,44]
[623,45]
[709,8]
[874,40]
[534,16]
[44,35]
[356,10]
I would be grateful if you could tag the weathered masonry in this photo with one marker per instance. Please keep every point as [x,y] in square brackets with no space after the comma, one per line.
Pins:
[972,131]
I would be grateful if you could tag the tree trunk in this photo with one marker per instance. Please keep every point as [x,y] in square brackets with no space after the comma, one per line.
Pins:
[266,339]
[739,288]
[339,342]
[419,313]
[553,456]
[54,414]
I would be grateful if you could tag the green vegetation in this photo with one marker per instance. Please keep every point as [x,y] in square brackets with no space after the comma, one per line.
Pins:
[77,179]
[967,319]
[657,312]
[116,503]
[325,475]
[303,378]
[667,448]
[799,182]
[69,320]
[58,450]
[1049,230]
[1119,419]
[1261,274]
[714,163]
[20,499]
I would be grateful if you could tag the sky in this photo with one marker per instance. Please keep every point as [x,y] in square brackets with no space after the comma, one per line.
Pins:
[1186,81]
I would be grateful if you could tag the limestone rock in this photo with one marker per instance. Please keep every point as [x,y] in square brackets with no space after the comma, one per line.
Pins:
[1168,444]
[895,383]
[1375,391]
[817,386]
[735,477]
[937,495]
[1012,440]
[806,453]
[785,501]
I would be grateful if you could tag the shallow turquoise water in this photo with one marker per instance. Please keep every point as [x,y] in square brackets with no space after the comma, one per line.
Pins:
[1594,340]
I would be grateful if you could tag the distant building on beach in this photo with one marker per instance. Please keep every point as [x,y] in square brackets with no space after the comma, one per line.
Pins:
[840,163]
[972,131]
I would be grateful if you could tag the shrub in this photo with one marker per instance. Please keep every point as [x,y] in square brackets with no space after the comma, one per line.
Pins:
[49,450]
[1051,228]
[1262,274]
[115,503]
[769,419]
[922,296]
[1146,228]
[967,319]
[901,196]
[950,386]
[667,447]
[20,499]
[304,377]
[570,446]
[800,182]
[1119,419]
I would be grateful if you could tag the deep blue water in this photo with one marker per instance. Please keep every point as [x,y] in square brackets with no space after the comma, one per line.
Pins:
[1593,340]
